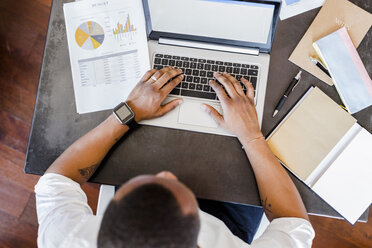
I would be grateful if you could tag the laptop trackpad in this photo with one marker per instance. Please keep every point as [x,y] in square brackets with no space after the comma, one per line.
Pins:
[192,114]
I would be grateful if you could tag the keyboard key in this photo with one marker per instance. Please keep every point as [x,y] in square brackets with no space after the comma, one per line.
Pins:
[219,62]
[188,78]
[167,56]
[210,61]
[175,92]
[188,71]
[198,94]
[193,65]
[199,87]
[186,64]
[179,63]
[195,72]
[221,68]
[175,57]
[200,66]
[254,67]
[196,80]
[207,67]
[202,60]
[192,86]
[210,74]
[157,61]
[164,62]
[236,70]
[237,65]
[172,62]
[227,64]
[244,71]
[238,77]
[159,55]
[253,81]
[158,67]
[184,85]
[203,73]
[245,66]
[193,59]
[252,72]
[229,69]
[204,80]
[185,58]
[206,88]
[214,68]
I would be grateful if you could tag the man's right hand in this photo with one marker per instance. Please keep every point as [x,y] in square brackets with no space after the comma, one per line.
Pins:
[239,112]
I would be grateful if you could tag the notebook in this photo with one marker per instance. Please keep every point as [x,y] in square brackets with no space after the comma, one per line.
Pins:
[333,15]
[350,76]
[325,147]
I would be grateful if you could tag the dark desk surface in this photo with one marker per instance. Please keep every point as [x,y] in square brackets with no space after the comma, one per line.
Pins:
[214,167]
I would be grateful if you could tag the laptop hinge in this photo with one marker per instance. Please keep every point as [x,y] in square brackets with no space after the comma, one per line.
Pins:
[209,46]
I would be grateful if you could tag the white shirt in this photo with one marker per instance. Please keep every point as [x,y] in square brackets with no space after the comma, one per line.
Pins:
[66,220]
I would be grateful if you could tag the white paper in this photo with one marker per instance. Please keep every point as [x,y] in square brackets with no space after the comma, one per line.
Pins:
[295,7]
[107,59]
[231,20]
[347,184]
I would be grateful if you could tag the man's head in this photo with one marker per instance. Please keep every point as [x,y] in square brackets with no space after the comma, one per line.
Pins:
[151,211]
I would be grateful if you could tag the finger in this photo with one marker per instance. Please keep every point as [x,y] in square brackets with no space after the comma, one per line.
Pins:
[148,75]
[168,75]
[170,86]
[235,83]
[250,89]
[227,84]
[169,106]
[155,77]
[219,91]
[217,117]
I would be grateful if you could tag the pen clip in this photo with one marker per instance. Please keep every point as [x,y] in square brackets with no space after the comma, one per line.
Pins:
[299,79]
[296,84]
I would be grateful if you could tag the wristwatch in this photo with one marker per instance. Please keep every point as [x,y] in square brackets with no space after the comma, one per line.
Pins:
[125,115]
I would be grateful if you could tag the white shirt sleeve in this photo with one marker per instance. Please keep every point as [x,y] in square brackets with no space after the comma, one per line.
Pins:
[63,213]
[286,232]
[281,233]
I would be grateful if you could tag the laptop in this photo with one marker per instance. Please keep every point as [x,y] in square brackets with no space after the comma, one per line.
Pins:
[204,36]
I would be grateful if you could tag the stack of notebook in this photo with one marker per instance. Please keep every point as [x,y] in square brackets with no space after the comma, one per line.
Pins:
[348,73]
[323,146]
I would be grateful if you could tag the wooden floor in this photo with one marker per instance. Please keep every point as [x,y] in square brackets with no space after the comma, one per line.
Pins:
[23,25]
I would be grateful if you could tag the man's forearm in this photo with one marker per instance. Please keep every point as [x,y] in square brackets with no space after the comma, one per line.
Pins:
[83,157]
[279,196]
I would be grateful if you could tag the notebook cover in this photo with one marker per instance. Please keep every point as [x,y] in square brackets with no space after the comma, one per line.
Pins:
[347,184]
[333,15]
[309,133]
[347,70]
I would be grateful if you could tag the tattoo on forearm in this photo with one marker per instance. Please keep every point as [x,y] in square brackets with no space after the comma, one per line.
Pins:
[88,171]
[266,206]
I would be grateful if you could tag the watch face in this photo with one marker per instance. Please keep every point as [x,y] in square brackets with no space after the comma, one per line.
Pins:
[123,112]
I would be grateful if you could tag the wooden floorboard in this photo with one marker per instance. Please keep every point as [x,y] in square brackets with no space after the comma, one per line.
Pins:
[23,25]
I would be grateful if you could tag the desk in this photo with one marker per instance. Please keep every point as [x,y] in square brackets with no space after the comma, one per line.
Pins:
[214,167]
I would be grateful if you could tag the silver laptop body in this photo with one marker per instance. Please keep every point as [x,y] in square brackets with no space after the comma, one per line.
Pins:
[166,40]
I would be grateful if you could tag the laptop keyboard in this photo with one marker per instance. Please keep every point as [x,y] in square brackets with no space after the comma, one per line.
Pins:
[198,72]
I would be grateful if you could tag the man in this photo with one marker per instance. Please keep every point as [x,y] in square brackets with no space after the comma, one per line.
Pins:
[157,210]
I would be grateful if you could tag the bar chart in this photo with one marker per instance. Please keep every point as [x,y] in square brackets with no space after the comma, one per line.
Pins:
[124,30]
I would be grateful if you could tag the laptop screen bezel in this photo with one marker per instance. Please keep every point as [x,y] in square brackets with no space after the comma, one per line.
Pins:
[263,47]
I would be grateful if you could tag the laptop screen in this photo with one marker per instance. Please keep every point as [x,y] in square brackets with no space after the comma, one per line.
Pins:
[243,21]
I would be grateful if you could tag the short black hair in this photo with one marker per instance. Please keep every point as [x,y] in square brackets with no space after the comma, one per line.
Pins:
[148,216]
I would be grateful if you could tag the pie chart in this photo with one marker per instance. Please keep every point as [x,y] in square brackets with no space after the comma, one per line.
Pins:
[89,35]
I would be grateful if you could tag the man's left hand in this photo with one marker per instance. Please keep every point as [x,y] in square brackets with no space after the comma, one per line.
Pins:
[146,98]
